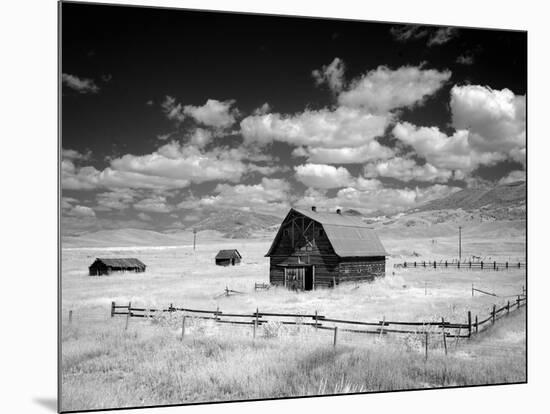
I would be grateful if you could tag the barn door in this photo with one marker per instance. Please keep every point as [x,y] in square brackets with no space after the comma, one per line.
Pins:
[295,278]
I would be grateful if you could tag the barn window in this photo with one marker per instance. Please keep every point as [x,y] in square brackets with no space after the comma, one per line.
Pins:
[319,232]
[285,232]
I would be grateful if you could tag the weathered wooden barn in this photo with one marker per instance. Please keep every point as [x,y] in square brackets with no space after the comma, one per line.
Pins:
[107,266]
[229,257]
[313,249]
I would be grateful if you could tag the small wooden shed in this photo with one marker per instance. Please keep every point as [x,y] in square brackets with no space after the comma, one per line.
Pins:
[229,257]
[313,249]
[107,266]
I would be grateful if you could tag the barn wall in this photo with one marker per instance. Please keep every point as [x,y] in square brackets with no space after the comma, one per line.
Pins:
[320,253]
[362,268]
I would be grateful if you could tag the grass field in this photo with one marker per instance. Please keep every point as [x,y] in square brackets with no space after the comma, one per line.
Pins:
[105,366]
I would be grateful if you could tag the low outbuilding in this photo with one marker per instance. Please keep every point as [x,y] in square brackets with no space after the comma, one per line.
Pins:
[229,257]
[107,266]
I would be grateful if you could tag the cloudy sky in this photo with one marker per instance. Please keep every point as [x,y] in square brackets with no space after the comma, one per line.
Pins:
[169,114]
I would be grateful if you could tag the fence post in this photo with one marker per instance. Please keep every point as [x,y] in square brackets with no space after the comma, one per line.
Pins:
[434,265]
[494,265]
[518,302]
[128,316]
[506,265]
[426,341]
[458,264]
[217,316]
[182,327]
[508,307]
[112,309]
[335,336]
[382,328]
[469,324]
[70,316]
[316,320]
[457,336]
[424,262]
[481,263]
[414,264]
[476,324]
[444,335]
[445,263]
[470,262]
[494,312]
[519,265]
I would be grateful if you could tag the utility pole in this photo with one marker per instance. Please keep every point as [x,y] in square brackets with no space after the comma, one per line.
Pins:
[194,238]
[459,243]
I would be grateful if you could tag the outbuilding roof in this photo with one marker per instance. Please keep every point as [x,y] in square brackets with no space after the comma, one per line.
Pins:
[125,263]
[228,254]
[348,235]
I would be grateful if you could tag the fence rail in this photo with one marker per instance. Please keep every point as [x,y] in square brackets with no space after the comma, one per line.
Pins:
[442,328]
[481,265]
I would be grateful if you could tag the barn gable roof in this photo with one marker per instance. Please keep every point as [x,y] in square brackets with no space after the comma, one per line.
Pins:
[228,254]
[125,262]
[348,235]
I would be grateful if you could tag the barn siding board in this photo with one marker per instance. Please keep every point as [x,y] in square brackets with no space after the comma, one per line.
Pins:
[302,240]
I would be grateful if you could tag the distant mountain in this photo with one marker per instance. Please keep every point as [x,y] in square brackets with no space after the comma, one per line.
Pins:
[124,238]
[502,196]
[352,212]
[236,223]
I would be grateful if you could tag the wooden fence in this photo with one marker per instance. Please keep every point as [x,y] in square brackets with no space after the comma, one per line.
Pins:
[481,265]
[443,328]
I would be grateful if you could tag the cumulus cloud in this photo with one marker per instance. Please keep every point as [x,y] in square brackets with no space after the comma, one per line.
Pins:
[453,152]
[342,127]
[373,150]
[172,109]
[408,32]
[154,204]
[513,176]
[323,176]
[269,195]
[116,200]
[465,59]
[171,166]
[74,155]
[442,36]
[332,75]
[496,119]
[214,113]
[81,85]
[80,211]
[385,200]
[382,90]
[201,137]
[405,169]
[262,110]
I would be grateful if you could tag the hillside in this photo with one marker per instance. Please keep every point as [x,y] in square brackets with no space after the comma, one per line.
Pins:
[505,195]
[236,223]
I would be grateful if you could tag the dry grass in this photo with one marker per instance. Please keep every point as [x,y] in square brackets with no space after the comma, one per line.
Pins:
[105,366]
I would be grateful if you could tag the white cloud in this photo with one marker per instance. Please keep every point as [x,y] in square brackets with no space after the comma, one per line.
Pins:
[172,109]
[332,75]
[373,150]
[144,216]
[343,127]
[496,119]
[262,110]
[408,32]
[383,89]
[171,166]
[80,211]
[154,204]
[74,155]
[513,176]
[442,36]
[82,85]
[445,152]
[406,169]
[214,113]
[386,200]
[201,137]
[269,195]
[116,200]
[323,176]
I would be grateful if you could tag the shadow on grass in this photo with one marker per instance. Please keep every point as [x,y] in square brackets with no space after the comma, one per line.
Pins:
[49,403]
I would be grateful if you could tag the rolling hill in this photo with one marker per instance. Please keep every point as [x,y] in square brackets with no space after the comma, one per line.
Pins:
[236,223]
